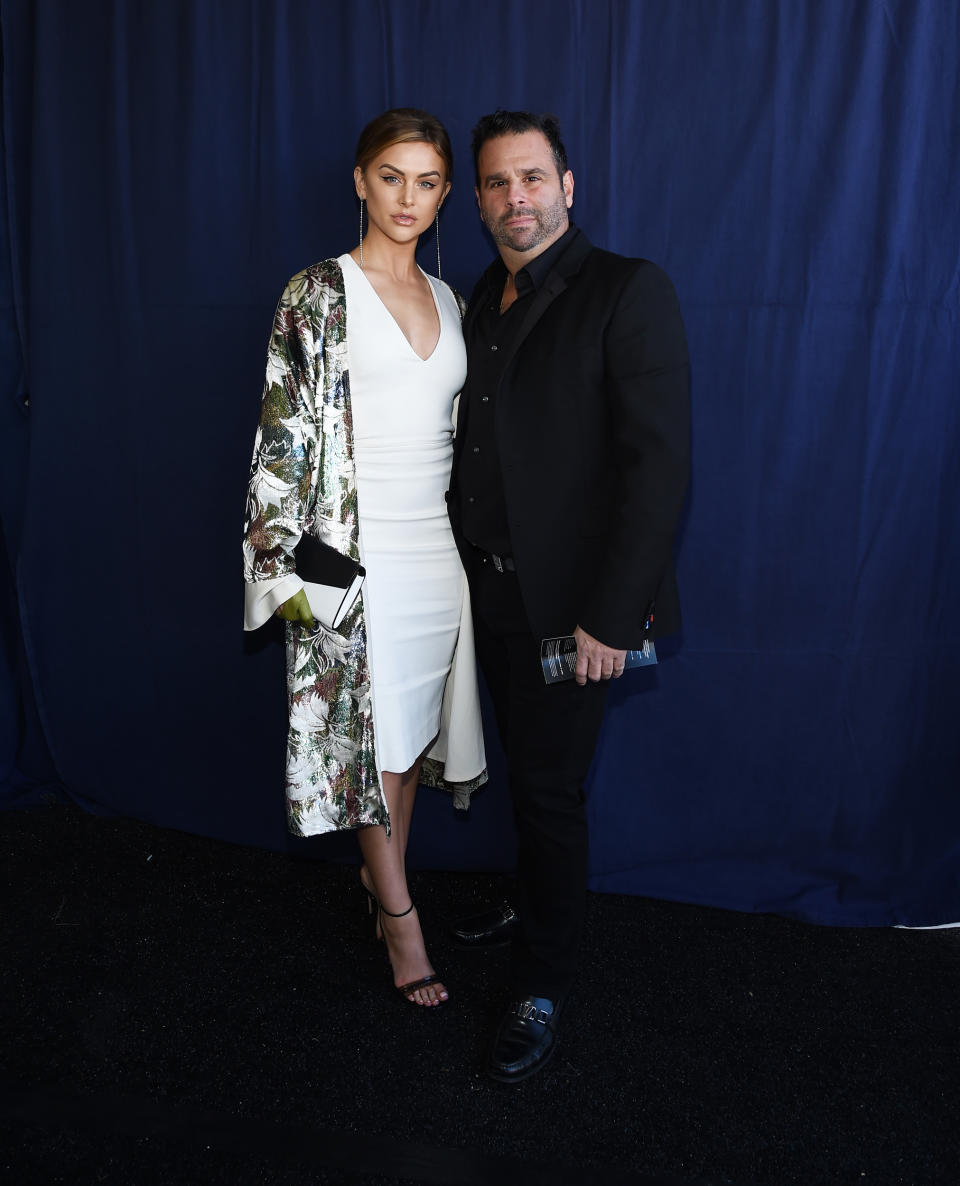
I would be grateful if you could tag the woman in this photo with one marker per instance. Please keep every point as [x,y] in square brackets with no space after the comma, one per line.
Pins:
[354,448]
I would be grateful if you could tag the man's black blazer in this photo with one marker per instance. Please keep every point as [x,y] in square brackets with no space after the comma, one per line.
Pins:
[593,431]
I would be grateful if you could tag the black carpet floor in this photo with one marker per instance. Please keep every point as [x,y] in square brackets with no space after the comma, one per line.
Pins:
[177,1010]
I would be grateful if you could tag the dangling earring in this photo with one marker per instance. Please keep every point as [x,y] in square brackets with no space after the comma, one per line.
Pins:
[439,277]
[361,232]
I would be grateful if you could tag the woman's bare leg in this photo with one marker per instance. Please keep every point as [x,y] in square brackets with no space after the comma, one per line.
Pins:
[385,869]
[408,794]
[400,818]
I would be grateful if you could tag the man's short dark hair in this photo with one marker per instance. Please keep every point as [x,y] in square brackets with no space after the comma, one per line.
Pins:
[512,123]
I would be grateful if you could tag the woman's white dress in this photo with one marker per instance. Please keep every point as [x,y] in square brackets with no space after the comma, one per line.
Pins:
[403,448]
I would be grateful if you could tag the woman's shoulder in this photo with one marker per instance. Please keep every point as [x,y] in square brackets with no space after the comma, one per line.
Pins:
[447,292]
[319,285]
[326,274]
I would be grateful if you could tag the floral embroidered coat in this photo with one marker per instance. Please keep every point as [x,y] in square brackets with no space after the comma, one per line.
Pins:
[303,480]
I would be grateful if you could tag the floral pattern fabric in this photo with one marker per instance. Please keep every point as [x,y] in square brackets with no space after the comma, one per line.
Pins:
[303,479]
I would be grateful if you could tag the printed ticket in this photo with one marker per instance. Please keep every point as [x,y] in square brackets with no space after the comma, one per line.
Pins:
[559,658]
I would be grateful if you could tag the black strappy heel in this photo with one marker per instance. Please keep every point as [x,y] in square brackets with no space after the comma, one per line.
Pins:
[425,981]
[373,906]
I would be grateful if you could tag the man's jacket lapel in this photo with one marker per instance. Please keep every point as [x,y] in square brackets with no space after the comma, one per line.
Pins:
[487,290]
[557,282]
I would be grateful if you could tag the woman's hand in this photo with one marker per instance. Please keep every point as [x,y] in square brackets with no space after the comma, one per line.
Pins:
[297,609]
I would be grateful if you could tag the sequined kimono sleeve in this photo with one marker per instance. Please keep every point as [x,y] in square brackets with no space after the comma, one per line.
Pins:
[281,471]
[303,480]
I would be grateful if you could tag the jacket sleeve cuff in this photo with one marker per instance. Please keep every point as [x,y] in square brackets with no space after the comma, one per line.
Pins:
[261,599]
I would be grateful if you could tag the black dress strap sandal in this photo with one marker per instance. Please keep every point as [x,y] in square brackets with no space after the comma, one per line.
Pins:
[402,913]
[405,989]
[491,927]
[525,1040]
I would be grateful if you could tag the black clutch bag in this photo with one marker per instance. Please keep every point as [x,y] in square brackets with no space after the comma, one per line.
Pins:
[331,581]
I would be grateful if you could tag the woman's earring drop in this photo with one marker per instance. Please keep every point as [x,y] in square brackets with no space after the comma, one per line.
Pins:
[361,232]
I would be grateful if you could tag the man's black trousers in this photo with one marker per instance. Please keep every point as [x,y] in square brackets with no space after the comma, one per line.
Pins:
[549,734]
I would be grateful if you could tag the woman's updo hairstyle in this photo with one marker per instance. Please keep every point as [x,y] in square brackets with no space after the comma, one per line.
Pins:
[403,125]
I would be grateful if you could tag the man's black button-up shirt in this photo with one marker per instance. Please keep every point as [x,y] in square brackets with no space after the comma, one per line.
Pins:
[491,335]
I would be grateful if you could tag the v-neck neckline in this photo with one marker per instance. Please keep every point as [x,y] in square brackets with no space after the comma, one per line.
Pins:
[383,306]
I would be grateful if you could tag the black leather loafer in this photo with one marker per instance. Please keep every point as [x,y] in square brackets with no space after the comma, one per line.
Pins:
[488,928]
[525,1040]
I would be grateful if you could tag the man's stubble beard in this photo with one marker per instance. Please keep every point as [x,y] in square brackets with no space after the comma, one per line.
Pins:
[548,221]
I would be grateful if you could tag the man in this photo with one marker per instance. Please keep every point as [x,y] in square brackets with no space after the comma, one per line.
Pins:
[570,468]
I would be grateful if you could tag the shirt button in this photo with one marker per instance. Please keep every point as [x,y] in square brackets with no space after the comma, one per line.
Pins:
[476,448]
[493,348]
[484,399]
[471,499]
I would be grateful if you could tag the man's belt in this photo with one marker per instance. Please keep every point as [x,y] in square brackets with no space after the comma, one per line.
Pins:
[500,563]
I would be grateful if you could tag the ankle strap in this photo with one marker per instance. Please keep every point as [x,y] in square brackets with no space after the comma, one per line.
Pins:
[402,914]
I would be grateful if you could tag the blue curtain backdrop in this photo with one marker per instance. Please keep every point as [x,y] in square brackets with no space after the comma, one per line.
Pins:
[795,168]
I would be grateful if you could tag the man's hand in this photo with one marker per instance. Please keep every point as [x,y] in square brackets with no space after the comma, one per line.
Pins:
[297,609]
[594,660]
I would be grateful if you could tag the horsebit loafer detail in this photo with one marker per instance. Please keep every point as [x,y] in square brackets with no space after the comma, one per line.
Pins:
[487,928]
[525,1040]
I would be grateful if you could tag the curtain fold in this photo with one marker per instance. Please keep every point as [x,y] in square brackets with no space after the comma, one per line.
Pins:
[793,167]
